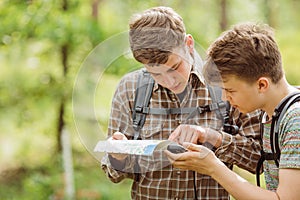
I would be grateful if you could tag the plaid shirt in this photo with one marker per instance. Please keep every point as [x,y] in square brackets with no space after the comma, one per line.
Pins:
[159,180]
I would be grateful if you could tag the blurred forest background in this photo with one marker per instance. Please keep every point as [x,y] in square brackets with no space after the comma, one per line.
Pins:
[43,44]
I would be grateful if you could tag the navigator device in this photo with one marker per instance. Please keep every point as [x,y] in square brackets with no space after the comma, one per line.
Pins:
[176,148]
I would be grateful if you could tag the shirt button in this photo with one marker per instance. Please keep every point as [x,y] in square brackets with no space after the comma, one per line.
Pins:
[173,98]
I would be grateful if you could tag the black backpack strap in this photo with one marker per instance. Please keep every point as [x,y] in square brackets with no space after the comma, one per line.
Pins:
[264,156]
[222,109]
[276,119]
[261,159]
[142,98]
[274,133]
[218,105]
[167,111]
[143,95]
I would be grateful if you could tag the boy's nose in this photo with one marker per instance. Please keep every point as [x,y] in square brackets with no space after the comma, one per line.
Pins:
[169,81]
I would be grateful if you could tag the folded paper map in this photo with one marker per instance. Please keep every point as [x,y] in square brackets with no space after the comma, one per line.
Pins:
[136,147]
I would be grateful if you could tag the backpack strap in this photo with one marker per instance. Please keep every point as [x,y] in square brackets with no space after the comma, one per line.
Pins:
[217,103]
[222,109]
[142,98]
[143,95]
[276,119]
[274,133]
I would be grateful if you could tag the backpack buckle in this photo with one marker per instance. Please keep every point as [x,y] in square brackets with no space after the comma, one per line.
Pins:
[138,109]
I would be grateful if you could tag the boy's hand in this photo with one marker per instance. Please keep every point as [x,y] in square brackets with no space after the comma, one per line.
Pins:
[118,136]
[196,134]
[197,158]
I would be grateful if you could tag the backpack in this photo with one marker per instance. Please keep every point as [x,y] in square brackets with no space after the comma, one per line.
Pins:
[141,108]
[143,95]
[274,133]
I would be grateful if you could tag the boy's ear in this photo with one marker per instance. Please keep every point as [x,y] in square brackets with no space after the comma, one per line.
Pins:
[263,84]
[189,41]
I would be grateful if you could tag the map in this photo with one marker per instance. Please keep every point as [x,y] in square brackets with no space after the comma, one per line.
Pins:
[136,147]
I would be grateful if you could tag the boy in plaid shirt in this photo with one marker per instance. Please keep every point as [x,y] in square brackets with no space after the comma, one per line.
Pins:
[159,41]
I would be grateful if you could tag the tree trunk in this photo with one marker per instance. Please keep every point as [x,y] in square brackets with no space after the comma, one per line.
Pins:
[271,12]
[64,50]
[95,10]
[223,15]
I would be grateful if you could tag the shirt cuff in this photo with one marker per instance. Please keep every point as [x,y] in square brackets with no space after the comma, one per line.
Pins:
[226,141]
[117,164]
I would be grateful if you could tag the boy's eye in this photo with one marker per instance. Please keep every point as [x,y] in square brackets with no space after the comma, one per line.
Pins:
[228,91]
[155,75]
[174,69]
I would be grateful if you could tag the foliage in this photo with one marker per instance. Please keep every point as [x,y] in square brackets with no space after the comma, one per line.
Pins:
[47,182]
[32,80]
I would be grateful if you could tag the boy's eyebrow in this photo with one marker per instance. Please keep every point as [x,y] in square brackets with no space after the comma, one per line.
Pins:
[223,88]
[228,89]
[175,66]
[153,73]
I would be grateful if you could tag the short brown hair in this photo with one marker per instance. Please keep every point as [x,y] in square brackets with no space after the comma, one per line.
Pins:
[248,51]
[155,33]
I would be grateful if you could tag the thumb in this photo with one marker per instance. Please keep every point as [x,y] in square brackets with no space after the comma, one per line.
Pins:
[119,136]
[197,148]
[174,134]
[191,146]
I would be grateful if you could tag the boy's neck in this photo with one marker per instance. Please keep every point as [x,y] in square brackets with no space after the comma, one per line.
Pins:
[276,94]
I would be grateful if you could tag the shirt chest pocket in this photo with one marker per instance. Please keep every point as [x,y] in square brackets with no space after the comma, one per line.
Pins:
[153,128]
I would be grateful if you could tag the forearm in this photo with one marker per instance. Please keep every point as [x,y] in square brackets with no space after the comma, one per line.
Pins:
[238,187]
[239,150]
[242,149]
[116,171]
